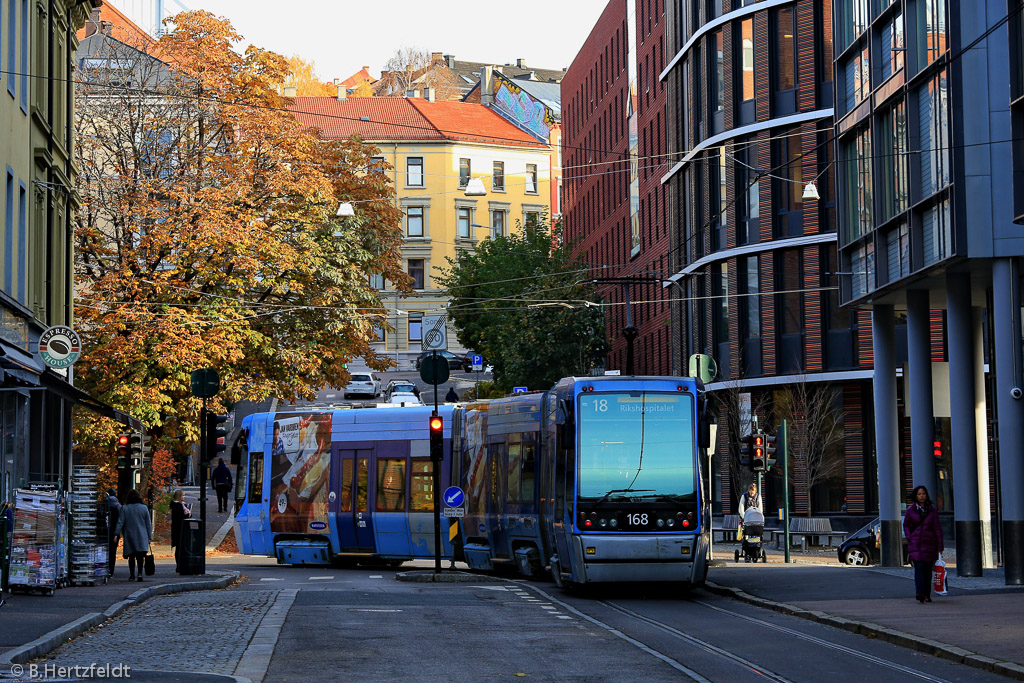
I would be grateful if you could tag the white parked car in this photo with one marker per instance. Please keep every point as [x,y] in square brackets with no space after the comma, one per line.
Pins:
[405,397]
[363,383]
[403,386]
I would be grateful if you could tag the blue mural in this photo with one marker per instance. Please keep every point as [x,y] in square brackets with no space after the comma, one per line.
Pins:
[522,109]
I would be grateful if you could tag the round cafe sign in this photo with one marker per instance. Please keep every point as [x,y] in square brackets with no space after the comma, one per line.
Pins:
[59,347]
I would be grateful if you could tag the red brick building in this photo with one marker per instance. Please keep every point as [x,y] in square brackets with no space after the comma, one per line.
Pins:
[614,210]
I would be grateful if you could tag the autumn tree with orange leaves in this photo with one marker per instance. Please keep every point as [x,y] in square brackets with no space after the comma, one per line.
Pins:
[302,76]
[208,236]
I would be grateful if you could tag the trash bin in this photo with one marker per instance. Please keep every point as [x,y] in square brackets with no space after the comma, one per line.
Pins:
[193,549]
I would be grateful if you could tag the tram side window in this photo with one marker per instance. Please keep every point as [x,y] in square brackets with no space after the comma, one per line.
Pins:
[422,486]
[390,485]
[529,467]
[255,478]
[514,455]
[346,485]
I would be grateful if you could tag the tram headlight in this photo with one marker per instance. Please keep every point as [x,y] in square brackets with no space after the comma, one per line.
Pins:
[671,522]
[661,523]
[614,523]
[604,522]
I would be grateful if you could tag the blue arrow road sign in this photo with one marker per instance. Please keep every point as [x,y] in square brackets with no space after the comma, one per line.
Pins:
[454,497]
[518,390]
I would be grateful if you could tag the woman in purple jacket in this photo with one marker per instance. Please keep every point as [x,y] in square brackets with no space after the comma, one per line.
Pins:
[924,540]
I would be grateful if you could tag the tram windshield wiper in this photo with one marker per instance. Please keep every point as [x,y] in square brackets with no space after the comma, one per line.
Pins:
[608,495]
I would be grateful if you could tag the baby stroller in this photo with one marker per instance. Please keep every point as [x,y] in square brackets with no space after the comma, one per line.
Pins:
[753,528]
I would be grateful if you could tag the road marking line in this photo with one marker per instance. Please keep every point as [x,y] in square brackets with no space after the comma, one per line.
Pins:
[321,578]
[376,576]
[547,607]
[562,616]
[271,579]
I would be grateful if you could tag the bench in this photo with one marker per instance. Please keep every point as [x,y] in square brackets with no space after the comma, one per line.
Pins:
[728,529]
[809,531]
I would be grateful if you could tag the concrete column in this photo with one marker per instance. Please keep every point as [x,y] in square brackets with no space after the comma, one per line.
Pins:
[1006,331]
[981,430]
[886,435]
[922,416]
[962,425]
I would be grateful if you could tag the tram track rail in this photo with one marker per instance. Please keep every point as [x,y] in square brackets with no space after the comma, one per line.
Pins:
[751,667]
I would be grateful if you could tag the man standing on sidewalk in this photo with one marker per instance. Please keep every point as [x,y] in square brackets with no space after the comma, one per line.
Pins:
[113,515]
[222,484]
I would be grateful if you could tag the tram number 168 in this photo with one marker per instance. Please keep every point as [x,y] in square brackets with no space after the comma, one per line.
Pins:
[637,519]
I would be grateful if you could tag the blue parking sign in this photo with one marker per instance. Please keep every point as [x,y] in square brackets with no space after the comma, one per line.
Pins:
[518,390]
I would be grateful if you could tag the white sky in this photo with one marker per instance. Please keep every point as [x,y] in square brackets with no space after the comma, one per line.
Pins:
[342,37]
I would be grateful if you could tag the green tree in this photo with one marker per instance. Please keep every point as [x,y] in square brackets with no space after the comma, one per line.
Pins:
[520,301]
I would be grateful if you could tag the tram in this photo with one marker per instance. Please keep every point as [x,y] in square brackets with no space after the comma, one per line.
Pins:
[600,479]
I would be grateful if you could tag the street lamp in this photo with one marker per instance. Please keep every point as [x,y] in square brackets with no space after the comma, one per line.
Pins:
[346,209]
[475,188]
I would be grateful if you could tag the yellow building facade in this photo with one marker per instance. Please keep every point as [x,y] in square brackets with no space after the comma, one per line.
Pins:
[433,150]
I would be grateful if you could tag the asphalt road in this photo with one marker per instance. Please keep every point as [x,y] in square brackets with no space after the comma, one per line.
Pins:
[364,623]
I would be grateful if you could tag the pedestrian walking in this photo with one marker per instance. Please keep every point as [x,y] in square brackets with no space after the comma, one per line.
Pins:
[135,527]
[179,513]
[750,499]
[6,527]
[924,540]
[113,516]
[222,485]
[451,396]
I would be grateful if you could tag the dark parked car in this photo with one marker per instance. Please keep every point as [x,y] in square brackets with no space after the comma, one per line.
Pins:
[467,362]
[862,546]
[454,362]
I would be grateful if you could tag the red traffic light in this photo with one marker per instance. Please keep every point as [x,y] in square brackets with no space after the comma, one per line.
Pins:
[122,440]
[436,424]
[758,440]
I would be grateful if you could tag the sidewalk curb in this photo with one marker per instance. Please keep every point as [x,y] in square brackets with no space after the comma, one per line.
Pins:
[57,637]
[883,633]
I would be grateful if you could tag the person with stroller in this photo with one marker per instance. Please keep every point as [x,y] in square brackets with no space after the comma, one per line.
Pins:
[750,499]
[751,526]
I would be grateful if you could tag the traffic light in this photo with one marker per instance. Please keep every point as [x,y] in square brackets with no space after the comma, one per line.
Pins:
[745,449]
[215,434]
[135,451]
[769,451]
[123,450]
[146,448]
[436,438]
[757,459]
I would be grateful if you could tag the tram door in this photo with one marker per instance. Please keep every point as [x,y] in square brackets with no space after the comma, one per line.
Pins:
[355,524]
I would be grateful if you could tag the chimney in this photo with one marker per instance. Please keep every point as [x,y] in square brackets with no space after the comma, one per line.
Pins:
[342,91]
[291,91]
[92,25]
[436,57]
[487,86]
[450,61]
[521,63]
[106,28]
[429,93]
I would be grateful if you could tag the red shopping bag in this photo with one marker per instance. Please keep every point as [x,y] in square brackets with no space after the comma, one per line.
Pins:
[939,577]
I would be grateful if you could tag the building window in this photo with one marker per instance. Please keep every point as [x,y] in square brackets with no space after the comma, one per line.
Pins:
[931,31]
[497,223]
[498,177]
[933,131]
[376,281]
[465,221]
[9,233]
[719,199]
[532,218]
[897,252]
[531,179]
[789,186]
[464,172]
[22,242]
[716,74]
[414,221]
[24,55]
[747,59]
[748,186]
[862,269]
[416,271]
[789,310]
[936,233]
[415,328]
[892,47]
[12,35]
[376,165]
[853,19]
[751,304]
[785,50]
[856,78]
[894,164]
[857,185]
[414,171]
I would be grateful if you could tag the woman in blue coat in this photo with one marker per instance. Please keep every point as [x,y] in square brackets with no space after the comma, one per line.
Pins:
[136,531]
[924,540]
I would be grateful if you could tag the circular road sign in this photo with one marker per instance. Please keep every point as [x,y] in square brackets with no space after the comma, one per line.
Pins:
[205,383]
[454,497]
[59,346]
[434,369]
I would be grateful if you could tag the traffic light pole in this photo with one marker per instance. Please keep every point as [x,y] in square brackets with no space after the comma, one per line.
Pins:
[437,494]
[784,453]
[203,465]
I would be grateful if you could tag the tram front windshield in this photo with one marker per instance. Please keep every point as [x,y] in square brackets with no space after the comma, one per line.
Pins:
[636,445]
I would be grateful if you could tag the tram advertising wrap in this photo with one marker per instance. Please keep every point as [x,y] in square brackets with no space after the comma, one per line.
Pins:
[300,470]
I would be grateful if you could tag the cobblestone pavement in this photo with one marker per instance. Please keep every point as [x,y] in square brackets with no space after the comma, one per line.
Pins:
[202,631]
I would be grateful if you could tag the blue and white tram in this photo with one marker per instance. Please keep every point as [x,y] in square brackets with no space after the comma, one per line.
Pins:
[338,485]
[600,479]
